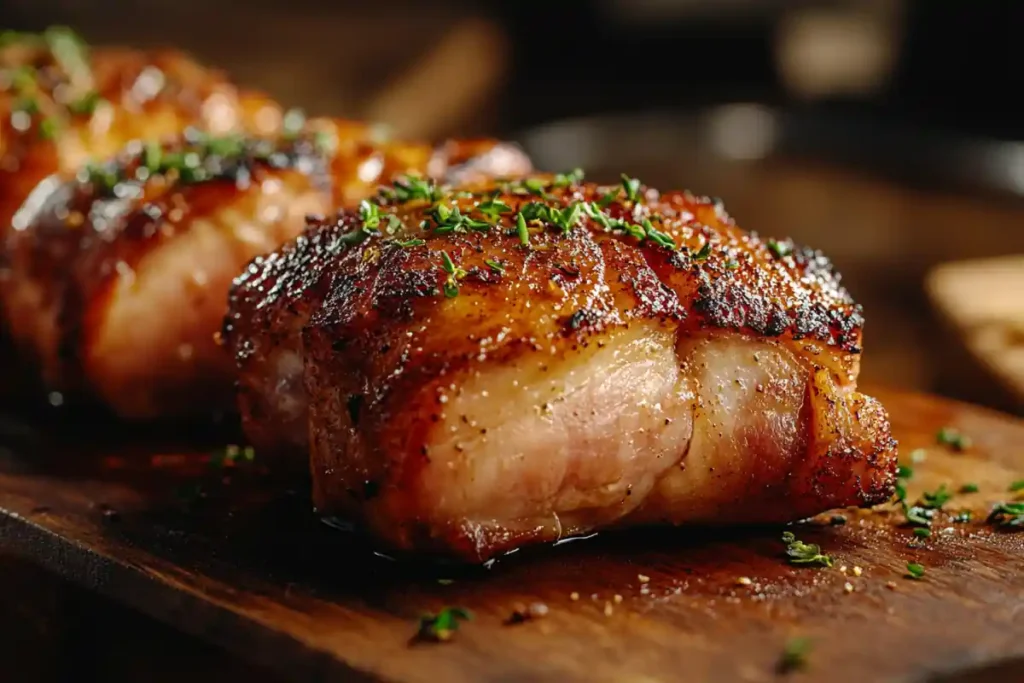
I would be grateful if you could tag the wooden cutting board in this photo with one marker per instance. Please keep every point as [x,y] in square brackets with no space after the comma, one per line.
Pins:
[245,566]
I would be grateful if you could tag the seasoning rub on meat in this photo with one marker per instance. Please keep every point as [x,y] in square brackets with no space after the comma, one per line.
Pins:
[475,368]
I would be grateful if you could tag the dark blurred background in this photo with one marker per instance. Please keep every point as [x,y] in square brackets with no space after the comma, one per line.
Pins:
[885,132]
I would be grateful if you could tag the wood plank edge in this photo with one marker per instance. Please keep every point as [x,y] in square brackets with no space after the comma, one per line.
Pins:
[250,640]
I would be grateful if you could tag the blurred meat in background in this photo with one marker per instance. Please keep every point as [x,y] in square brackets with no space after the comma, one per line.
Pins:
[885,132]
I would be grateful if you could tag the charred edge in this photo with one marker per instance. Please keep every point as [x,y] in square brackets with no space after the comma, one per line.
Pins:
[726,304]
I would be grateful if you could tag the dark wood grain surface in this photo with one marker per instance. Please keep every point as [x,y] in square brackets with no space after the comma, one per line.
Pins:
[245,566]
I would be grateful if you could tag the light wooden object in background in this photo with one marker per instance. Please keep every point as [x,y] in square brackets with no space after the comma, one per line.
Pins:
[983,301]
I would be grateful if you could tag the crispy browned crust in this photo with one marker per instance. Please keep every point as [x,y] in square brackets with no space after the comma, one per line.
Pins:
[379,336]
[174,93]
[73,242]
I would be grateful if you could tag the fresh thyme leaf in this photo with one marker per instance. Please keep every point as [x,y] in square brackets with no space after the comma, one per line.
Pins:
[1007,515]
[495,266]
[394,223]
[732,264]
[631,187]
[915,571]
[704,252]
[904,472]
[922,532]
[1017,486]
[416,242]
[799,552]
[901,491]
[794,655]
[948,436]
[442,626]
[451,288]
[969,488]
[780,249]
[524,234]
[935,499]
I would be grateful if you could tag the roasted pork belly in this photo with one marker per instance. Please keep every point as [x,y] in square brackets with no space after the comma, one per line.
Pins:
[478,368]
[62,104]
[115,284]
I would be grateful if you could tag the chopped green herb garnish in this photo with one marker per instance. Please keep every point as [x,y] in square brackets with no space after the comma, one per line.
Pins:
[232,454]
[799,552]
[567,179]
[68,50]
[732,265]
[631,187]
[658,237]
[969,488]
[915,571]
[935,499]
[394,223]
[48,128]
[704,252]
[151,154]
[493,208]
[948,436]
[293,122]
[495,266]
[412,188]
[415,242]
[1007,515]
[608,198]
[780,249]
[524,234]
[922,532]
[369,213]
[85,105]
[566,218]
[901,491]
[962,517]
[919,516]
[794,655]
[533,186]
[904,472]
[1017,486]
[451,285]
[442,626]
